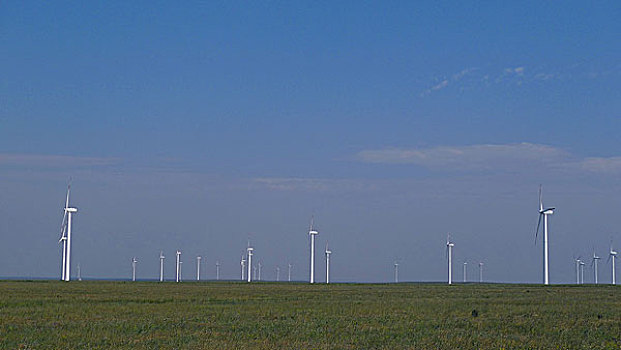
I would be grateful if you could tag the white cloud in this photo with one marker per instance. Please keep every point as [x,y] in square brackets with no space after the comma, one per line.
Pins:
[466,157]
[53,161]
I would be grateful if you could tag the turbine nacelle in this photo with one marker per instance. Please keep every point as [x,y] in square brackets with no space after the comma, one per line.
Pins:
[548,211]
[71,210]
[313,232]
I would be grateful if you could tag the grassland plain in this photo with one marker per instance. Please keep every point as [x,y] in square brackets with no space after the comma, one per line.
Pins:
[231,315]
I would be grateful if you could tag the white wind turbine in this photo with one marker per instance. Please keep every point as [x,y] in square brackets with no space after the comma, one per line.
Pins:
[465,279]
[79,273]
[544,213]
[250,252]
[260,267]
[134,262]
[178,267]
[594,264]
[328,252]
[162,265]
[582,271]
[396,271]
[312,233]
[480,272]
[277,274]
[449,254]
[612,256]
[577,260]
[289,275]
[198,268]
[217,270]
[242,262]
[65,237]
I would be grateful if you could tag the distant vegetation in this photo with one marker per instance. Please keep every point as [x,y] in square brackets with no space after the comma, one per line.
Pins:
[230,315]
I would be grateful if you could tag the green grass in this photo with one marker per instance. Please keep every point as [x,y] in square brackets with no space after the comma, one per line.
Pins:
[150,315]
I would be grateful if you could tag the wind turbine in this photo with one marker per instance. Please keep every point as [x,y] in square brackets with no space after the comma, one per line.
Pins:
[277,274]
[613,256]
[594,264]
[134,262]
[465,279]
[396,272]
[260,266]
[480,272]
[243,267]
[328,252]
[178,267]
[449,252]
[162,265]
[582,271]
[577,270]
[198,268]
[312,233]
[544,213]
[66,237]
[217,270]
[250,252]
[79,273]
[289,278]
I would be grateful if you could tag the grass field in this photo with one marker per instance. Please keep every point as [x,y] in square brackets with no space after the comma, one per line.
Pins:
[150,315]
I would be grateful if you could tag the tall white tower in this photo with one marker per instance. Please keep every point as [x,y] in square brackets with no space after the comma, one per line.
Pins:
[328,252]
[162,265]
[312,233]
[250,252]
[178,267]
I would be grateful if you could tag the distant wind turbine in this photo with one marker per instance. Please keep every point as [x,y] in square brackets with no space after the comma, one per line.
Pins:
[582,271]
[465,279]
[289,274]
[65,237]
[328,252]
[480,272]
[79,273]
[217,270]
[612,256]
[134,262]
[178,267]
[260,267]
[396,271]
[449,254]
[162,265]
[198,268]
[544,213]
[277,274]
[312,233]
[250,251]
[243,268]
[594,264]
[577,260]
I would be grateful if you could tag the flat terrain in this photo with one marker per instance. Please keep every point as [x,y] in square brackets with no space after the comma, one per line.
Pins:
[229,315]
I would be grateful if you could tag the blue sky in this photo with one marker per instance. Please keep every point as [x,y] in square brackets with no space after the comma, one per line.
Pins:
[214,121]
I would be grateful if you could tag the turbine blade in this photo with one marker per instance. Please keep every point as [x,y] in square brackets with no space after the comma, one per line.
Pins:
[537,230]
[540,200]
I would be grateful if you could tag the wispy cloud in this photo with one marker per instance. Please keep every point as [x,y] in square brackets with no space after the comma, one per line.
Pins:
[446,81]
[484,157]
[311,184]
[53,161]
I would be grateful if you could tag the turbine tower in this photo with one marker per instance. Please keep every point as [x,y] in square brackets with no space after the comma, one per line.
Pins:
[577,270]
[582,271]
[178,267]
[277,274]
[198,268]
[312,233]
[65,237]
[260,266]
[396,272]
[465,279]
[217,270]
[134,262]
[289,277]
[480,272]
[243,267]
[79,273]
[594,264]
[544,213]
[162,265]
[449,253]
[250,252]
[328,252]
[613,256]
